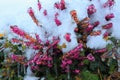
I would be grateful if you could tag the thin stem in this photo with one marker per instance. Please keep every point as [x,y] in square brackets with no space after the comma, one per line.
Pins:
[100,74]
[18,67]
[24,69]
[68,75]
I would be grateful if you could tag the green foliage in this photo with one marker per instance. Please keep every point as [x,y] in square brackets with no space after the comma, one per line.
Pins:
[86,62]
[109,47]
[98,63]
[87,75]
[112,65]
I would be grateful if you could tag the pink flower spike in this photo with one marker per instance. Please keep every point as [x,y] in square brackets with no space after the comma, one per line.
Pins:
[14,57]
[34,67]
[15,40]
[39,5]
[45,12]
[62,5]
[90,57]
[36,47]
[38,38]
[57,5]
[91,9]
[105,35]
[95,24]
[107,26]
[58,23]
[30,11]
[101,50]
[90,27]
[69,62]
[18,31]
[109,3]
[77,71]
[80,45]
[109,16]
[67,37]
[96,33]
[49,65]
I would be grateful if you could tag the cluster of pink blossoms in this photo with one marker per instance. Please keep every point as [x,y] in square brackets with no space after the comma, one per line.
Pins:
[16,30]
[60,5]
[91,9]
[74,58]
[109,3]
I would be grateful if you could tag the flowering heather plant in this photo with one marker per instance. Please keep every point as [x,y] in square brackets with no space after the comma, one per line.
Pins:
[48,55]
[47,58]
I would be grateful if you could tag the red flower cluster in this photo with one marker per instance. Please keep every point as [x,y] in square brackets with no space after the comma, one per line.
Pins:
[31,13]
[16,30]
[101,50]
[109,3]
[91,9]
[22,33]
[39,5]
[67,37]
[109,16]
[60,5]
[107,26]
[73,58]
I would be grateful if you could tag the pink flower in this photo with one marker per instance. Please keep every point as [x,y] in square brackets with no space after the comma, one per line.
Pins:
[15,40]
[89,28]
[34,67]
[30,11]
[107,26]
[69,62]
[18,31]
[36,47]
[58,22]
[95,33]
[95,24]
[106,35]
[14,57]
[38,62]
[45,12]
[109,16]
[91,9]
[77,71]
[57,5]
[76,30]
[60,5]
[39,5]
[90,57]
[109,3]
[67,37]
[49,65]
[38,38]
[101,50]
[36,57]
[28,43]
[80,46]
[76,49]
